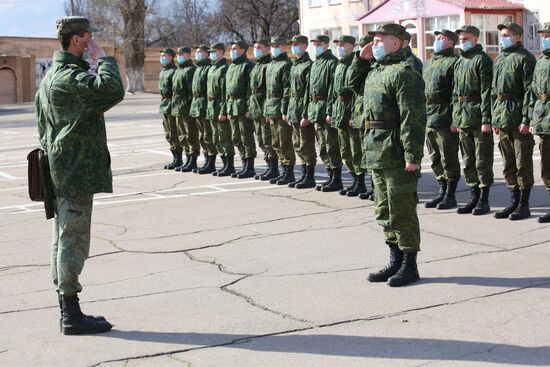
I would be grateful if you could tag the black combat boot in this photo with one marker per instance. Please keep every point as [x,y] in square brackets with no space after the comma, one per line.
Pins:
[345,190]
[512,205]
[191,165]
[259,175]
[196,170]
[176,162]
[243,168]
[302,177]
[482,206]
[249,172]
[273,170]
[282,174]
[309,180]
[229,167]
[391,268]
[474,194]
[180,167]
[449,200]
[75,322]
[327,181]
[442,189]
[544,218]
[359,188]
[522,211]
[336,183]
[173,160]
[224,166]
[368,194]
[210,166]
[288,177]
[408,272]
[60,300]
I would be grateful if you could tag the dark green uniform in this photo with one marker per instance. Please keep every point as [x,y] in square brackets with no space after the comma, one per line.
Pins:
[413,60]
[198,107]
[182,95]
[216,106]
[168,120]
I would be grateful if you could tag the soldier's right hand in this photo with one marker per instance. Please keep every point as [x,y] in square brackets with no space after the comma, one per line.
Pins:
[454,128]
[328,119]
[95,51]
[366,52]
[222,117]
[496,130]
[305,123]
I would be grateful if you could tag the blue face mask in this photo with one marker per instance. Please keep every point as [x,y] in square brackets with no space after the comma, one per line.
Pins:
[506,42]
[233,54]
[466,46]
[379,51]
[181,59]
[276,51]
[199,56]
[438,45]
[295,50]
[163,60]
[213,56]
[319,50]
[258,53]
[340,52]
[546,43]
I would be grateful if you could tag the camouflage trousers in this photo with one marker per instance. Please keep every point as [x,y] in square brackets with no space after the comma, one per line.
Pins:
[303,139]
[351,149]
[263,134]
[329,149]
[395,200]
[477,153]
[206,136]
[517,157]
[283,143]
[236,137]
[70,242]
[222,137]
[544,147]
[245,129]
[190,134]
[171,132]
[442,146]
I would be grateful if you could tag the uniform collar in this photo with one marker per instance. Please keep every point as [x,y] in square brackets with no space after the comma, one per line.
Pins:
[474,50]
[444,53]
[282,57]
[304,58]
[393,58]
[64,57]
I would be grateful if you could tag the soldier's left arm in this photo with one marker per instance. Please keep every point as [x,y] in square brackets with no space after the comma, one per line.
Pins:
[529,63]
[223,92]
[286,88]
[485,81]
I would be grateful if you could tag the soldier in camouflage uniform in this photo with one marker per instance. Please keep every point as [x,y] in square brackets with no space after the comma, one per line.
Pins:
[256,103]
[198,108]
[182,95]
[237,92]
[276,107]
[538,113]
[70,104]
[442,135]
[315,111]
[472,116]
[512,75]
[411,57]
[395,120]
[303,137]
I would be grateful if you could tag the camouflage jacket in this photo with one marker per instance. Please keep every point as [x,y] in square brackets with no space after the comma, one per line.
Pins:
[539,96]
[413,60]
[71,126]
[394,93]
[277,85]
[473,76]
[299,76]
[165,88]
[340,96]
[257,87]
[216,89]
[512,75]
[438,75]
[200,100]
[182,89]
[237,84]
[320,78]
[358,71]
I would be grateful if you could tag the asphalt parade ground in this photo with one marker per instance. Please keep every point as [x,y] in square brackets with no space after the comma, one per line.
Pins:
[196,270]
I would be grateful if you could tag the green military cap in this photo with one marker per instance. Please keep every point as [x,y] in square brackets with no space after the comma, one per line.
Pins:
[168,51]
[321,38]
[468,29]
[366,39]
[203,47]
[240,43]
[217,46]
[545,29]
[263,41]
[184,49]
[392,29]
[516,28]
[449,34]
[73,24]
[299,38]
[345,39]
[278,41]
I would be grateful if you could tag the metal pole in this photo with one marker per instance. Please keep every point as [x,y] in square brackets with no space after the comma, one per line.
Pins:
[72,7]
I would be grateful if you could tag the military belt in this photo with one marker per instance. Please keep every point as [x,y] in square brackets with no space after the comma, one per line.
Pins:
[545,97]
[236,97]
[508,97]
[199,95]
[463,99]
[167,96]
[319,98]
[258,91]
[383,125]
[296,94]
[274,95]
[436,100]
[344,98]
[211,98]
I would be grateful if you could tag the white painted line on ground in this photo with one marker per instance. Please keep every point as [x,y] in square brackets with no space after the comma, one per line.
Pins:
[7,176]
[156,151]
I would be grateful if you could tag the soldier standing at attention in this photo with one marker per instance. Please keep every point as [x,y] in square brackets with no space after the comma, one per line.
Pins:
[442,135]
[539,110]
[198,107]
[395,120]
[182,95]
[303,137]
[315,111]
[472,116]
[411,57]
[168,121]
[275,110]
[512,75]
[237,85]
[70,104]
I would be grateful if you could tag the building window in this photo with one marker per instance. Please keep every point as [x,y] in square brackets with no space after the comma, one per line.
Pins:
[334,2]
[489,36]
[354,31]
[314,3]
[450,22]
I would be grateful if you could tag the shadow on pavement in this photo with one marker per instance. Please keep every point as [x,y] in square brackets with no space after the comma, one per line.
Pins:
[535,282]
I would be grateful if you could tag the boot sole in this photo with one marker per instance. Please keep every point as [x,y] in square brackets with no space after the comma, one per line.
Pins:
[68,331]
[401,284]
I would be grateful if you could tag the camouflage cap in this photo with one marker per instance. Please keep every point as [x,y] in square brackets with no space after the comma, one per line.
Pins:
[468,29]
[73,24]
[366,39]
[278,41]
[545,29]
[321,38]
[242,44]
[217,46]
[391,29]
[263,41]
[516,28]
[300,39]
[184,50]
[345,39]
[449,34]
[168,51]
[202,47]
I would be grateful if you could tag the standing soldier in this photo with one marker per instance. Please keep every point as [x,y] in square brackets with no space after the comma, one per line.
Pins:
[315,111]
[411,57]
[539,110]
[198,108]
[513,72]
[237,85]
[303,137]
[441,135]
[256,103]
[275,110]
[472,116]
[169,122]
[182,95]
[395,119]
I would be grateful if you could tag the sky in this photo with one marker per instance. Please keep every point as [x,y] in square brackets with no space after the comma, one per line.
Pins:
[30,18]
